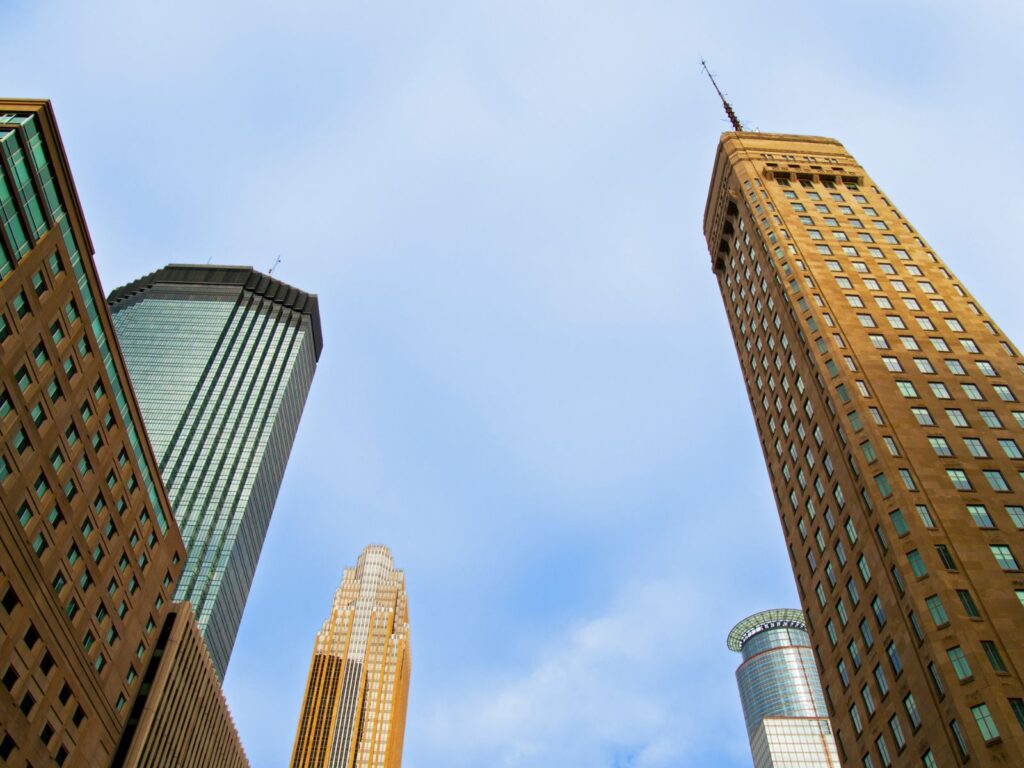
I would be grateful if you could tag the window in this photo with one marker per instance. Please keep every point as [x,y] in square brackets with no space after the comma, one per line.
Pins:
[869,700]
[1011,449]
[991,419]
[880,680]
[906,388]
[959,479]
[1017,705]
[939,390]
[1004,393]
[971,391]
[956,417]
[878,341]
[913,714]
[936,609]
[892,364]
[945,557]
[923,416]
[883,751]
[976,447]
[899,524]
[910,343]
[894,659]
[980,516]
[959,662]
[1016,514]
[876,608]
[986,724]
[940,446]
[855,717]
[961,743]
[897,732]
[1004,557]
[865,571]
[992,653]
[917,563]
[996,480]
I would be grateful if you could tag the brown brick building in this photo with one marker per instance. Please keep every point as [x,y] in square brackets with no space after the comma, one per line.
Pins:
[890,409]
[89,550]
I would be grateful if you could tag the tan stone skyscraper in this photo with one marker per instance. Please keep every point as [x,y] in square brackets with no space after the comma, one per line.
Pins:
[889,409]
[353,711]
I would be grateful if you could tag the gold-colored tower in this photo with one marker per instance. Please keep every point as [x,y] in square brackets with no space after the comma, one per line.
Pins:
[890,409]
[353,711]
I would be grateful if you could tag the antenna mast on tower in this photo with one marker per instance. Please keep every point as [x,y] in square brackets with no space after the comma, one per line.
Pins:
[729,111]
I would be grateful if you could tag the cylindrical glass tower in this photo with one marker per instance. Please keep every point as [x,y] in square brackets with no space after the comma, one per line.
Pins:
[787,721]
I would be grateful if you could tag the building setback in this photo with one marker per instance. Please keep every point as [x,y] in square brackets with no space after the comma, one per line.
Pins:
[221,359]
[182,718]
[353,710]
[89,553]
[784,708]
[888,404]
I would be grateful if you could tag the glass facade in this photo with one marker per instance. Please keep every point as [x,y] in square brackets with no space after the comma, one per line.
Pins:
[783,705]
[221,360]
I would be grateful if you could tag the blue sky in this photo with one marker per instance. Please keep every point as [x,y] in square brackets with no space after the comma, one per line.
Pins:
[528,389]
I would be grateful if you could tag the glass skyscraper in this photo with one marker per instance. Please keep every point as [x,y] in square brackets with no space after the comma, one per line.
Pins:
[787,721]
[221,360]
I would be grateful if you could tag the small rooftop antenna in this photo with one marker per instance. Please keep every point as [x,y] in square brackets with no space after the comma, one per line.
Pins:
[274,265]
[729,111]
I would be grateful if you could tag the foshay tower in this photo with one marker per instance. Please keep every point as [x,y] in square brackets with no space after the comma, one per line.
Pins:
[888,405]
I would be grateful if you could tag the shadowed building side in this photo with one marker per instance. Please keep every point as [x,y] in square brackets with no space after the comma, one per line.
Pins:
[182,718]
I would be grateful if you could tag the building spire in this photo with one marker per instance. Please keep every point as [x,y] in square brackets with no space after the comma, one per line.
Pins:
[729,111]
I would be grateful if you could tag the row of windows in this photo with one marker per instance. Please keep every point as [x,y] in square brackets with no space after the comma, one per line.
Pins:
[1009,447]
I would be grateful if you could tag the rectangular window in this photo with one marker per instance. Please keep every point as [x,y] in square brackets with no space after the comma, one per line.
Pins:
[917,563]
[986,724]
[976,447]
[991,419]
[912,713]
[894,658]
[979,514]
[959,662]
[992,653]
[923,417]
[968,603]
[996,480]
[1004,557]
[959,479]
[956,417]
[936,609]
[1017,705]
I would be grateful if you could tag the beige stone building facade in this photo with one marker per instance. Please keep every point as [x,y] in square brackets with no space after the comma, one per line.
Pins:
[890,410]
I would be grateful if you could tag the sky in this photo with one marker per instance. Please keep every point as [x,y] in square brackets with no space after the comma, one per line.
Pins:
[528,389]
